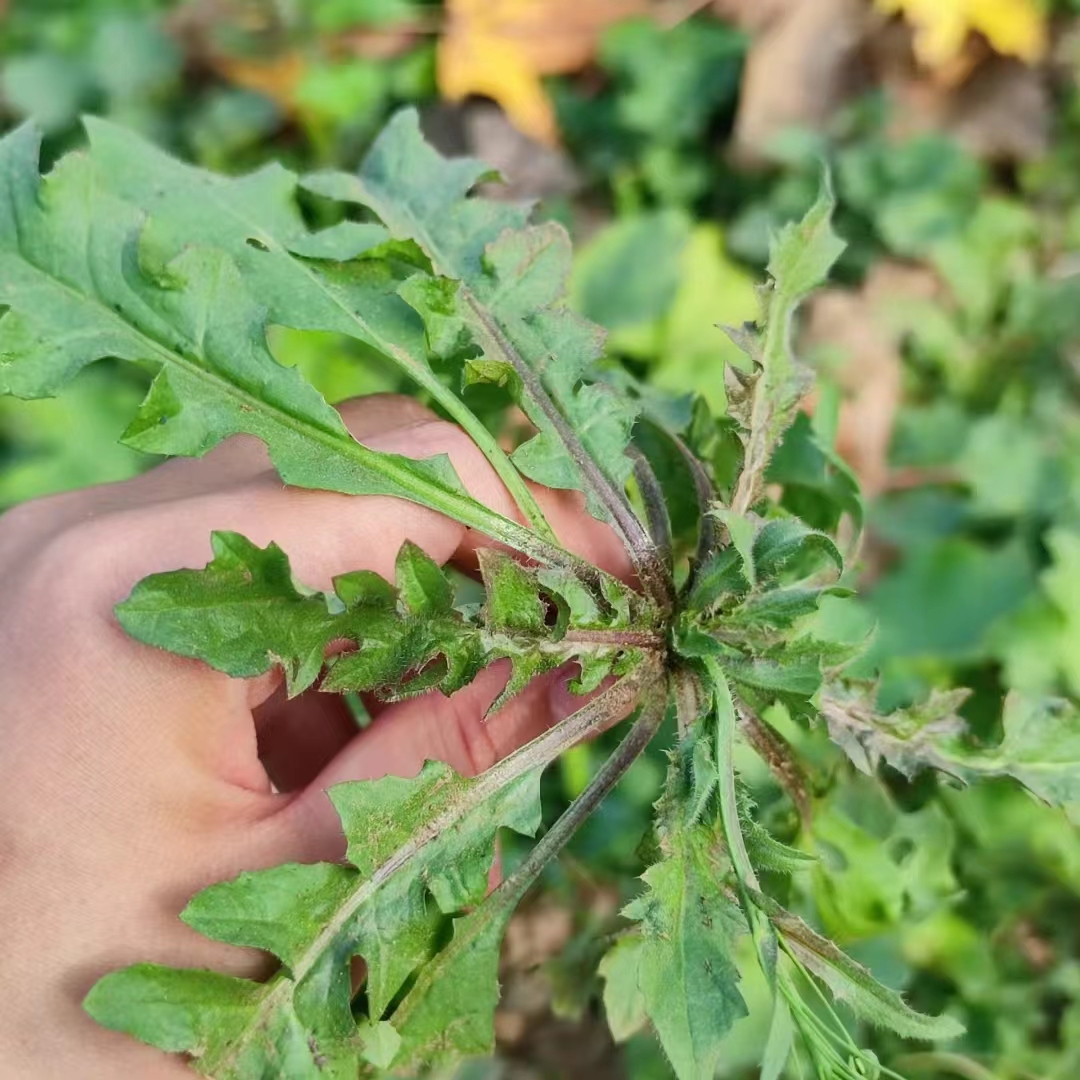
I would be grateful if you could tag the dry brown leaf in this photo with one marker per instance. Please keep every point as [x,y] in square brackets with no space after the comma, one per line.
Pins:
[1003,112]
[528,170]
[501,49]
[802,66]
[275,77]
[752,15]
[862,332]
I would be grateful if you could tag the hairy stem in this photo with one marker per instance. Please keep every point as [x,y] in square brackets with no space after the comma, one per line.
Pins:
[746,878]
[509,893]
[710,534]
[489,447]
[778,755]
[656,513]
[643,554]
[775,397]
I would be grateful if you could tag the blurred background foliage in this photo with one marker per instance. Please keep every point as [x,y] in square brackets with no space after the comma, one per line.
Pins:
[671,137]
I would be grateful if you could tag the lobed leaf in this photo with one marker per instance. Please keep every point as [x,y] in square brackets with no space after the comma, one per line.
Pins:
[244,614]
[685,971]
[765,403]
[681,959]
[83,276]
[464,974]
[415,848]
[1040,747]
[802,253]
[504,294]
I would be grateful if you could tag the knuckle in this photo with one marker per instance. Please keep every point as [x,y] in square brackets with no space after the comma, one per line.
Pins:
[73,564]
[374,414]
[440,437]
[27,528]
[19,523]
[390,399]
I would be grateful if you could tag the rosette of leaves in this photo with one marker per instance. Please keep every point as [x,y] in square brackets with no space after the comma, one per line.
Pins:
[121,251]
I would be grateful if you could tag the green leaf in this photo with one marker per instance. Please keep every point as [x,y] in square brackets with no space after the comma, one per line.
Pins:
[853,984]
[171,1009]
[786,541]
[82,278]
[765,403]
[458,1020]
[279,911]
[686,974]
[801,677]
[781,608]
[423,589]
[299,276]
[802,254]
[720,577]
[1040,747]
[448,1010]
[624,1003]
[509,301]
[515,616]
[512,602]
[818,484]
[743,532]
[410,842]
[244,613]
[765,851]
[255,220]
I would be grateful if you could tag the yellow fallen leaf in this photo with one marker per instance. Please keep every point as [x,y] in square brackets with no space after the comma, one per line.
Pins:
[1013,27]
[501,49]
[274,77]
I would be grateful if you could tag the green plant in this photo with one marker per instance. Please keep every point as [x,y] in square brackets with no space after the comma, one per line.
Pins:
[124,252]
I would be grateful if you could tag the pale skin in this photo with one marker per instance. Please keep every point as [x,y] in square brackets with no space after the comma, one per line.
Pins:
[130,779]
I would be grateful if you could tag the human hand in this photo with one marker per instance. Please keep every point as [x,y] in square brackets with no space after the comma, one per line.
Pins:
[130,778]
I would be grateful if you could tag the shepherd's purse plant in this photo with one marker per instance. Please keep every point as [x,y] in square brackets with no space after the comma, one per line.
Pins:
[732,525]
